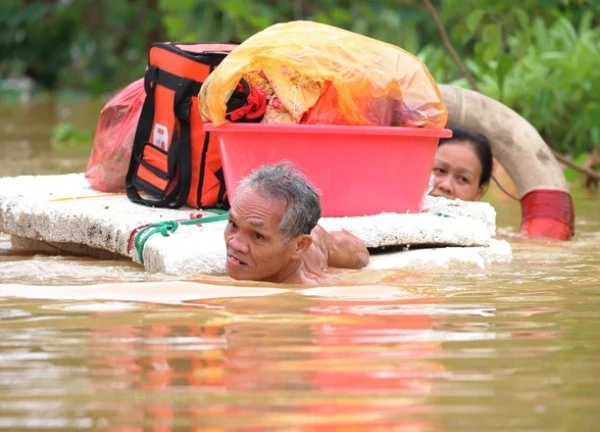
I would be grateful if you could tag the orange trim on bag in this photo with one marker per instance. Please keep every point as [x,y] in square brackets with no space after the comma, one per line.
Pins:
[178,65]
[155,157]
[149,177]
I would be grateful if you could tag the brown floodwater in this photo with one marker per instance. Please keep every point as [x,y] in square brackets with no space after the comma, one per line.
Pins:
[511,347]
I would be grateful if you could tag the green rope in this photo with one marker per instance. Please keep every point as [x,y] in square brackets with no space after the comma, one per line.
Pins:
[166,228]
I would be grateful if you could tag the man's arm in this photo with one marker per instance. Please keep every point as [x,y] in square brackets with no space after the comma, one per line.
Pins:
[344,250]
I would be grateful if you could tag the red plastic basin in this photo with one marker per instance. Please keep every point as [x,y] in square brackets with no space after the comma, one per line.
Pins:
[358,170]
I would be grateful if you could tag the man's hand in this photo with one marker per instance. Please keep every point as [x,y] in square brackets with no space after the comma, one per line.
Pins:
[345,250]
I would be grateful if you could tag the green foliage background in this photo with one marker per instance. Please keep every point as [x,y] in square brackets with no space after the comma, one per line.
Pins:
[540,57]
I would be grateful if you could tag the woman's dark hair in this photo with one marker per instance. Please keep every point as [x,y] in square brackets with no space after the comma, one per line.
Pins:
[482,148]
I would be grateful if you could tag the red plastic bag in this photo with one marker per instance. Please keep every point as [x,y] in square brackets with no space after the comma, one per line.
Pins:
[113,142]
[377,111]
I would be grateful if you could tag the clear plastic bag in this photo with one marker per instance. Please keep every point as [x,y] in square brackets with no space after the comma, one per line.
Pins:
[319,74]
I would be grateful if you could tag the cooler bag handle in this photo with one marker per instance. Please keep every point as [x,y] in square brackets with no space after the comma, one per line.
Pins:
[179,153]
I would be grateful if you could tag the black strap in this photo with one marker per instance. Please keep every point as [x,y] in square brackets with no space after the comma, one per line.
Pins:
[175,83]
[222,201]
[183,104]
[141,134]
[211,58]
[179,194]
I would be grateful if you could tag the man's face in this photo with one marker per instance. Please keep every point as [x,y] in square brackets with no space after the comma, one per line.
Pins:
[256,249]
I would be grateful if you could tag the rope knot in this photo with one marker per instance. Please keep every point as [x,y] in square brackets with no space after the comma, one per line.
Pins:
[166,228]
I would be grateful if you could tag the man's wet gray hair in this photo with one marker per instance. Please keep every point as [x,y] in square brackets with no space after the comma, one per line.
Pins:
[285,182]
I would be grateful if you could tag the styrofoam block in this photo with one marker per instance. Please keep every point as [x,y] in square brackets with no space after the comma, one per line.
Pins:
[417,228]
[498,251]
[184,260]
[72,249]
[64,209]
[475,210]
[188,250]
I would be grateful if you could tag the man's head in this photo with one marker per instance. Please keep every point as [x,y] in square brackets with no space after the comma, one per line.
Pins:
[270,221]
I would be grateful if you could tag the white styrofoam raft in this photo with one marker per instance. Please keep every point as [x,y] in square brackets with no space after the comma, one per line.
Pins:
[63,209]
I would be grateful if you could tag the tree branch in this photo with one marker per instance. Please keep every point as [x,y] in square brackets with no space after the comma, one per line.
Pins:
[582,169]
[448,44]
[465,73]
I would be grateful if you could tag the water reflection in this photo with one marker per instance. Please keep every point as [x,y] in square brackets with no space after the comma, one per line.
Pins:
[295,362]
[306,370]
[467,353]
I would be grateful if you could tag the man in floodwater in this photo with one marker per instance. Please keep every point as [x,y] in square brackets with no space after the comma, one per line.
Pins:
[272,233]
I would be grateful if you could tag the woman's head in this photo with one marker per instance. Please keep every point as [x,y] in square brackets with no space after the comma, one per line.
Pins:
[463,166]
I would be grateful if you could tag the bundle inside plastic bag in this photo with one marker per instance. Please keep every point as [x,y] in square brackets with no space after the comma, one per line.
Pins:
[319,74]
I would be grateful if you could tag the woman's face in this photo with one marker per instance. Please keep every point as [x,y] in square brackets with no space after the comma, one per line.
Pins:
[457,172]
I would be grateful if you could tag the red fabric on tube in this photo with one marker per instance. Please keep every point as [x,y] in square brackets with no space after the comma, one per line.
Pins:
[549,214]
